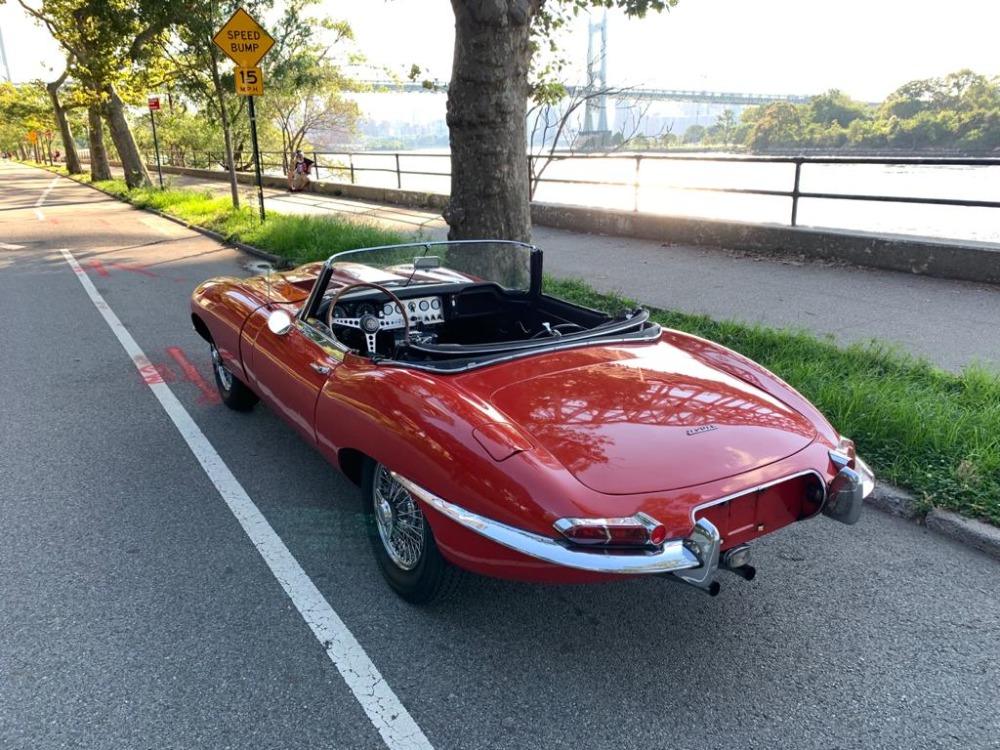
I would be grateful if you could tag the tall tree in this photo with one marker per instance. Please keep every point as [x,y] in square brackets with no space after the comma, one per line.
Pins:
[495,41]
[305,78]
[22,109]
[302,82]
[107,42]
[62,120]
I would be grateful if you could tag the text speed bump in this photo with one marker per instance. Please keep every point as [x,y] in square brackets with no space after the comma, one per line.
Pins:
[243,40]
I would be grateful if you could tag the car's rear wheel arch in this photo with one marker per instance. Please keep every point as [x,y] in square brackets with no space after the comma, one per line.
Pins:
[201,328]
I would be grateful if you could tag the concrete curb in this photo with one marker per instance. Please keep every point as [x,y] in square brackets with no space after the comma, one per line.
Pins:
[885,497]
[946,523]
[974,534]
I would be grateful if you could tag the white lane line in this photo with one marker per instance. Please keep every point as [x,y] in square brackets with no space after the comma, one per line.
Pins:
[41,200]
[380,703]
[5,246]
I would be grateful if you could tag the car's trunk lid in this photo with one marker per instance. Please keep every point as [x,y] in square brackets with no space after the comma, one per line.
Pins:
[653,424]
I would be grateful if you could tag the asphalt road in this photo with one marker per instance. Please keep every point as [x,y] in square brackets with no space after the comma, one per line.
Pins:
[135,612]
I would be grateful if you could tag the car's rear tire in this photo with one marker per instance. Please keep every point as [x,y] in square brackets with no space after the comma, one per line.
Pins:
[402,540]
[234,393]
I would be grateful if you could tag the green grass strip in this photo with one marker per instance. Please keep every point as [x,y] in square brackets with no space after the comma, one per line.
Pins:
[931,432]
[298,239]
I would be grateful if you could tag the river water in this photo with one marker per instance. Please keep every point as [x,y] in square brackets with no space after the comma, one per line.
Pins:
[670,187]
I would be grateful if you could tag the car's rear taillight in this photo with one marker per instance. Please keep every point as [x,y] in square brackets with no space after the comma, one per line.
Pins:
[844,454]
[639,530]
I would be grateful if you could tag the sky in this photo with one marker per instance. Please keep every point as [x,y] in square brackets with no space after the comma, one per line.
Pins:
[865,48]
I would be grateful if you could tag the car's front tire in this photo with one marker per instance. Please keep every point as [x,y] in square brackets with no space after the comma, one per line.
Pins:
[234,393]
[402,540]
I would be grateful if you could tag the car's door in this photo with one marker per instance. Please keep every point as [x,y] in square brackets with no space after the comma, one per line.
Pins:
[288,370]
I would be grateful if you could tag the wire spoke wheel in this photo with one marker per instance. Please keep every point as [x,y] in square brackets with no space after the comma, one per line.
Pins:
[399,520]
[402,540]
[221,371]
[232,391]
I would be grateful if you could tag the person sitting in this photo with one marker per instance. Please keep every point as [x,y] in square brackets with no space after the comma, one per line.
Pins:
[298,177]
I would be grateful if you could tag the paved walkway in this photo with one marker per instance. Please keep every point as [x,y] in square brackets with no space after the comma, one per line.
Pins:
[951,323]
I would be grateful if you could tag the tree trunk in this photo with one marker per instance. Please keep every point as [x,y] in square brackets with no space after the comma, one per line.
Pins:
[132,164]
[72,157]
[100,170]
[226,132]
[487,111]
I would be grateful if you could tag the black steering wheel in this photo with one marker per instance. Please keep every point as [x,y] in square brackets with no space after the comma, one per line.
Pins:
[368,324]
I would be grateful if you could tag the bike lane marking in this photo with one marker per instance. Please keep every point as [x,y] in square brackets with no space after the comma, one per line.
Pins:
[42,197]
[384,710]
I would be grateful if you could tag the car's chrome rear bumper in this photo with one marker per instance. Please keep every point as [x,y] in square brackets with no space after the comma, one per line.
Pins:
[695,559]
[847,492]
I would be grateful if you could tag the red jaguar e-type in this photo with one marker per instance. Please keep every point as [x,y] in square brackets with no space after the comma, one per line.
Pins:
[498,429]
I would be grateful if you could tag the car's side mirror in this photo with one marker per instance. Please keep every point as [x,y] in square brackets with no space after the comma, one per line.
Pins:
[279,322]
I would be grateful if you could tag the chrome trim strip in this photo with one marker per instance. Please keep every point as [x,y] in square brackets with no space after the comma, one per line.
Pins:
[676,554]
[840,460]
[759,487]
[330,346]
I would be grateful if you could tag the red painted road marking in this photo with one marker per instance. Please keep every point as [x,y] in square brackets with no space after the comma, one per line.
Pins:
[135,269]
[99,267]
[168,375]
[150,375]
[209,395]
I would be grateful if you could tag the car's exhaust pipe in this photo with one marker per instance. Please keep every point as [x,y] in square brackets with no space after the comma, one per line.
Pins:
[747,572]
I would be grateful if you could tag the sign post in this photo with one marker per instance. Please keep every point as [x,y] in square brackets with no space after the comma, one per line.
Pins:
[154,104]
[245,43]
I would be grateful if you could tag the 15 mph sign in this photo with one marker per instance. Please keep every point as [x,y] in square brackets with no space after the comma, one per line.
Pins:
[243,40]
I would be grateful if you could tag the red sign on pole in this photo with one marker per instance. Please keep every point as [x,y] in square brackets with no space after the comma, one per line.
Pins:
[154,102]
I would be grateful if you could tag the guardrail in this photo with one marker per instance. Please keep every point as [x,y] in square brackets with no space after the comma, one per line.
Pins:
[430,172]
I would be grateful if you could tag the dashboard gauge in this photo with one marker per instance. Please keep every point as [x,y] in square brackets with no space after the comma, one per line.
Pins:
[411,306]
[388,309]
[424,304]
[339,311]
[365,308]
[435,304]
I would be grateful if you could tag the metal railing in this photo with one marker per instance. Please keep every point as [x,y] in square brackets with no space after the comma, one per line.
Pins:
[419,171]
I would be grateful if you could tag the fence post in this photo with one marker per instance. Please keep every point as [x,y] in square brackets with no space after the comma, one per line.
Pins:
[315,166]
[635,198]
[795,189]
[399,177]
[350,161]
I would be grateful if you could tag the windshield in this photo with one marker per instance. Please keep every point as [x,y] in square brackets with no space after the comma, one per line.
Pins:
[505,263]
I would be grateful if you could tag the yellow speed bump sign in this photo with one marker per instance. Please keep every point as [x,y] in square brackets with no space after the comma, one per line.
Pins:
[249,82]
[243,40]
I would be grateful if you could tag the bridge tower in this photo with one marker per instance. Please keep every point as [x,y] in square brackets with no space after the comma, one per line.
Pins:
[596,107]
[3,58]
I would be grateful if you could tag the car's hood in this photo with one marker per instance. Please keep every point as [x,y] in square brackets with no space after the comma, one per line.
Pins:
[653,424]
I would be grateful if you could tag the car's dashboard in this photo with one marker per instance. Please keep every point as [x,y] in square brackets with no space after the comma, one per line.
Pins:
[419,310]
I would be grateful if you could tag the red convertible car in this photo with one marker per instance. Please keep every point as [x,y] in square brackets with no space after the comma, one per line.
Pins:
[498,429]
